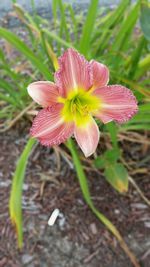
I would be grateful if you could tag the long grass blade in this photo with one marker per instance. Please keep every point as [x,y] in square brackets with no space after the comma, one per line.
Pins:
[63,20]
[16,190]
[143,67]
[126,28]
[112,21]
[54,10]
[88,27]
[58,39]
[8,89]
[26,51]
[136,55]
[145,18]
[122,39]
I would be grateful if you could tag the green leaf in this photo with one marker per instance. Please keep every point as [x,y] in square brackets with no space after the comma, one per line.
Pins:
[112,128]
[145,107]
[7,86]
[20,12]
[88,27]
[100,162]
[112,155]
[122,41]
[135,57]
[126,28]
[143,66]
[145,19]
[2,55]
[63,20]
[106,32]
[140,117]
[141,121]
[54,10]
[16,190]
[58,39]
[108,158]
[117,176]
[7,99]
[26,51]
[74,25]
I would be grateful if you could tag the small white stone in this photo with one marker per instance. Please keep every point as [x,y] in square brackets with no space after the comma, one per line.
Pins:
[53,217]
[117,211]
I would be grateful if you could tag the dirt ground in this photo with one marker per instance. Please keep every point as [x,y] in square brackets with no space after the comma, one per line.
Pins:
[78,238]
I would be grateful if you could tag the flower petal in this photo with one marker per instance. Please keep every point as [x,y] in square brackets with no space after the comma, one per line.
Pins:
[49,127]
[43,92]
[117,103]
[87,137]
[74,72]
[100,74]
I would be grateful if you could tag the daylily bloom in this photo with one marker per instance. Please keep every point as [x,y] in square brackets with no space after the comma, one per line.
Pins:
[80,92]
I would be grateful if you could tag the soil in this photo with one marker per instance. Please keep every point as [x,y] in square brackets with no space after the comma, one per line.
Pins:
[78,238]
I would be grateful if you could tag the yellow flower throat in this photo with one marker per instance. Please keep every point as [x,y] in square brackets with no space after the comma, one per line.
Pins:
[78,107]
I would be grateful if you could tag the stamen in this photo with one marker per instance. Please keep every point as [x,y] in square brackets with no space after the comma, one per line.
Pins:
[73,108]
[78,106]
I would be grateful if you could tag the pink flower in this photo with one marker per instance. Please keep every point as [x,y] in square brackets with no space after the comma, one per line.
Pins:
[80,92]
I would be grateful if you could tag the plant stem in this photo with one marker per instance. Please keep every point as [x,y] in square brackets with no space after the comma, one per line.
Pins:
[86,193]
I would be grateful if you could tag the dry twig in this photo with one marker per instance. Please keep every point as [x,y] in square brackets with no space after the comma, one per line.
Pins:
[147,201]
[12,123]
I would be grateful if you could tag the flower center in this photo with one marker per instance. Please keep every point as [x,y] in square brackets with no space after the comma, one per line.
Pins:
[78,106]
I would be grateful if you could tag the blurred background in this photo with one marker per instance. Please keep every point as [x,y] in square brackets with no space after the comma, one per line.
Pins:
[32,34]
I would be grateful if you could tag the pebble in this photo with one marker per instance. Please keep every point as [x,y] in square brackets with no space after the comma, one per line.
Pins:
[26,258]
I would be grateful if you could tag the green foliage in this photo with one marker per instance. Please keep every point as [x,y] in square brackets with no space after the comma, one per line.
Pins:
[135,57]
[16,191]
[106,28]
[26,51]
[110,157]
[145,19]
[140,121]
[88,27]
[123,35]
[112,128]
[115,173]
[117,176]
